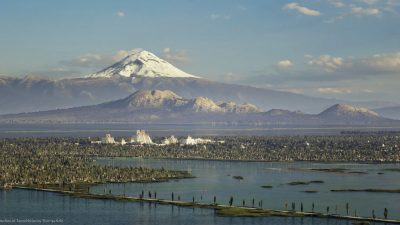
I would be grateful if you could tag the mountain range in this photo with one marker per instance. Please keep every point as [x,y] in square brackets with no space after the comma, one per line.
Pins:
[166,107]
[142,70]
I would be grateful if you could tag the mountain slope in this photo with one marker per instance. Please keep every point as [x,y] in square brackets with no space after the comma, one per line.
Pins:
[349,114]
[141,63]
[143,70]
[157,106]
[142,106]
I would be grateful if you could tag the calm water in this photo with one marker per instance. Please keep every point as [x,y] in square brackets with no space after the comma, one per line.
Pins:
[37,205]
[95,130]
[213,178]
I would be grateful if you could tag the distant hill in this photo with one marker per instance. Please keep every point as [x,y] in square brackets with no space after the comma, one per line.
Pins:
[349,114]
[166,107]
[142,70]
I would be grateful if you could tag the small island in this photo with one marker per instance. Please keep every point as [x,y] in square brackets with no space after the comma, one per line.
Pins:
[238,177]
[306,182]
[58,165]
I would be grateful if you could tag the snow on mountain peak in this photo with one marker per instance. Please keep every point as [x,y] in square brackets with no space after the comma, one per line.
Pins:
[141,63]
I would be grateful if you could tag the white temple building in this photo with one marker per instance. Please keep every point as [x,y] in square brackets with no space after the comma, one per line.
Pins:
[141,137]
[108,139]
[194,141]
[170,140]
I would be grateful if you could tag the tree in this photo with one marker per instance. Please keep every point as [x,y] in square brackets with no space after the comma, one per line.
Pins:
[243,202]
[301,207]
[347,208]
[231,201]
[385,213]
[215,200]
[252,203]
[172,196]
[313,207]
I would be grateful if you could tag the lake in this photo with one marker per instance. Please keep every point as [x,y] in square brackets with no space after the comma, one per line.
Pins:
[38,205]
[215,178]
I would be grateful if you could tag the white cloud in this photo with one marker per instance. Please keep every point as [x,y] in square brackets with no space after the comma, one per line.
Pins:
[301,9]
[327,62]
[55,72]
[241,7]
[293,90]
[385,62]
[175,56]
[231,77]
[360,11]
[166,50]
[368,91]
[337,3]
[284,64]
[96,60]
[363,8]
[393,3]
[220,17]
[120,14]
[331,90]
[369,2]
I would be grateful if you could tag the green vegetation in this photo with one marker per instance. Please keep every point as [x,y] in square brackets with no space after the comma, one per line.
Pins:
[221,210]
[238,177]
[247,212]
[306,182]
[357,172]
[310,191]
[52,162]
[368,190]
[327,170]
[266,186]
[338,148]
[64,160]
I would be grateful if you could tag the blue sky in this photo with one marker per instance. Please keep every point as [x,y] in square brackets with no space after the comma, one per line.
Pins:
[331,48]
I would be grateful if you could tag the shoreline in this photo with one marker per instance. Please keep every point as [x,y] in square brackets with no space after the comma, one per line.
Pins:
[259,161]
[220,210]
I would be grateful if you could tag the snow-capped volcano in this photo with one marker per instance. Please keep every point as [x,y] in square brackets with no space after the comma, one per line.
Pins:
[141,63]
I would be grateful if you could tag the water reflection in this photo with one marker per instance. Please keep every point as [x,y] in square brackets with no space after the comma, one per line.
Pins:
[215,178]
[88,211]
